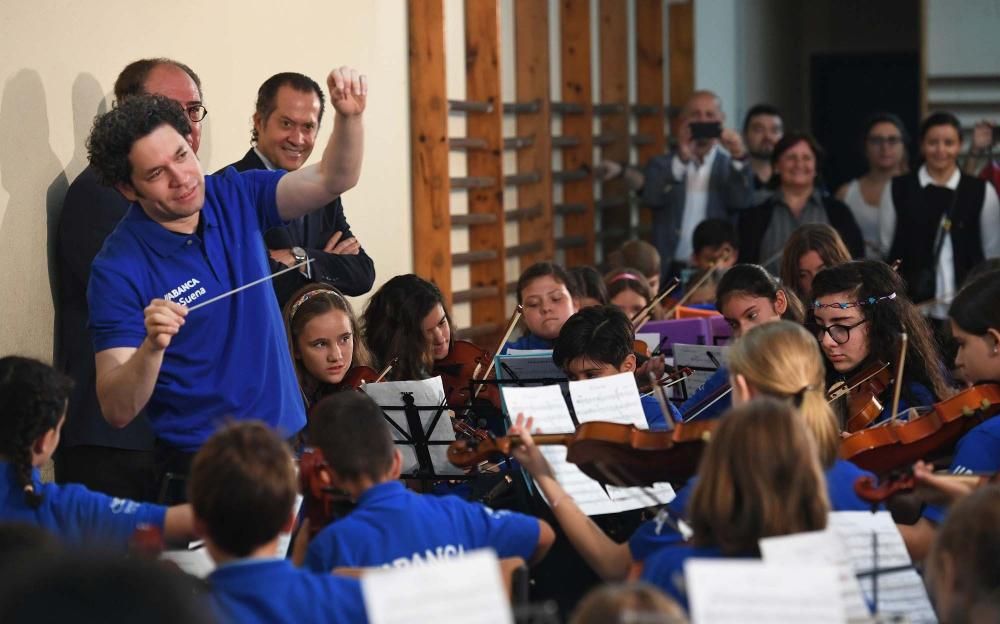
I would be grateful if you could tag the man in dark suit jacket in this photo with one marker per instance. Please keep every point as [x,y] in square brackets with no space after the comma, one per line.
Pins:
[119,462]
[287,118]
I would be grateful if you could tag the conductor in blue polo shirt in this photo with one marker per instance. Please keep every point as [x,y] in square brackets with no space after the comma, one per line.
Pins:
[188,238]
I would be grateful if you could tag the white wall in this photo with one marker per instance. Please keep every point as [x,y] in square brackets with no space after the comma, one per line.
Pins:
[963,37]
[59,60]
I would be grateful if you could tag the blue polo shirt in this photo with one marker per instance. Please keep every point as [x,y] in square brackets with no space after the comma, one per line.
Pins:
[394,527]
[665,569]
[230,360]
[74,513]
[273,590]
[718,379]
[978,452]
[655,534]
[654,413]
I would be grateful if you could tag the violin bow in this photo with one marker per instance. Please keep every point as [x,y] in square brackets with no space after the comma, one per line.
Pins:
[903,341]
[388,368]
[661,398]
[640,317]
[511,324]
[693,288]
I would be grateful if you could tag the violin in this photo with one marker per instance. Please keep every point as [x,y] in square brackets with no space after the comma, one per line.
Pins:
[863,391]
[874,492]
[322,503]
[927,432]
[361,375]
[466,364]
[609,453]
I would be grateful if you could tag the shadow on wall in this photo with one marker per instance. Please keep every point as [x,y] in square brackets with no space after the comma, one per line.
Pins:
[28,168]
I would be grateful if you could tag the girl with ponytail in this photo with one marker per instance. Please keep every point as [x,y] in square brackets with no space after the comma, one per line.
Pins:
[32,412]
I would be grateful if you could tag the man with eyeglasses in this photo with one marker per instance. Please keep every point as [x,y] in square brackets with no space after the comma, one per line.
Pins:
[119,462]
[286,123]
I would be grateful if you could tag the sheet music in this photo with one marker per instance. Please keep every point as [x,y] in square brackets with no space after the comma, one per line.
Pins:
[548,408]
[463,590]
[426,392]
[195,562]
[547,352]
[820,547]
[285,538]
[616,399]
[741,591]
[696,357]
[898,592]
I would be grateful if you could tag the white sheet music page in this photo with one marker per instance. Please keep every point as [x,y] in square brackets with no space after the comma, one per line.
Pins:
[548,408]
[820,547]
[616,399]
[426,392]
[194,561]
[743,591]
[699,359]
[464,590]
[898,592]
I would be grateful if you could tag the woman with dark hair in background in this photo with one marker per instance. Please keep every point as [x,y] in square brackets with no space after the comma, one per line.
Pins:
[765,228]
[885,141]
[943,222]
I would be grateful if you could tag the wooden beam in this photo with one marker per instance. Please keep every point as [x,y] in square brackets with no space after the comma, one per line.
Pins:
[681,55]
[649,85]
[482,83]
[614,99]
[531,75]
[429,144]
[576,95]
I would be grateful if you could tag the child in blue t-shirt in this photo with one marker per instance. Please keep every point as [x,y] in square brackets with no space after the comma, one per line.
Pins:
[33,400]
[242,488]
[546,292]
[760,477]
[975,326]
[390,525]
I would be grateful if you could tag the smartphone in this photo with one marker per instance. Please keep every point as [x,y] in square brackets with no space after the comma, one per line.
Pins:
[706,129]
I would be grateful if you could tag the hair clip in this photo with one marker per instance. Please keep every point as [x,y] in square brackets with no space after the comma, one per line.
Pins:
[309,295]
[843,305]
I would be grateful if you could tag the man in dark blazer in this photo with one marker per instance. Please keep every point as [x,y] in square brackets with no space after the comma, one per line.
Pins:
[288,114]
[702,179]
[115,461]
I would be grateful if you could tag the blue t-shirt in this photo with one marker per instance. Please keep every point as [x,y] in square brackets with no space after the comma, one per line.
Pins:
[273,590]
[665,569]
[977,452]
[74,513]
[527,342]
[229,360]
[718,379]
[392,526]
[655,534]
[654,413]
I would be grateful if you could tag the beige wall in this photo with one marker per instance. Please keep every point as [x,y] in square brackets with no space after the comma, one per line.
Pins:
[58,62]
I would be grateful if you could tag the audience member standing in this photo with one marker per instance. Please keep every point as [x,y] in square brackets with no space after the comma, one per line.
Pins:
[762,129]
[868,197]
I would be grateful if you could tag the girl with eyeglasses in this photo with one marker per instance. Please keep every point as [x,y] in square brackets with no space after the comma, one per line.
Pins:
[859,310]
[868,197]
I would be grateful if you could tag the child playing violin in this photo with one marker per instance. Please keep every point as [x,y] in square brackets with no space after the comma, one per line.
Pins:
[747,296]
[406,319]
[546,291]
[629,291]
[859,310]
[242,489]
[33,399]
[323,339]
[975,325]
[760,477]
[597,342]
[391,526]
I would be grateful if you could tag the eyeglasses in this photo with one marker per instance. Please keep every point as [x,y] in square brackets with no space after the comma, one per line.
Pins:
[839,333]
[879,141]
[196,113]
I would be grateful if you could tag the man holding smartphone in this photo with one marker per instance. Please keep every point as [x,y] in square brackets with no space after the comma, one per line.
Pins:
[701,179]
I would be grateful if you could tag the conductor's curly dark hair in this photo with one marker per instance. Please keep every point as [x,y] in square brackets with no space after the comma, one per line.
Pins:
[33,398]
[115,132]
